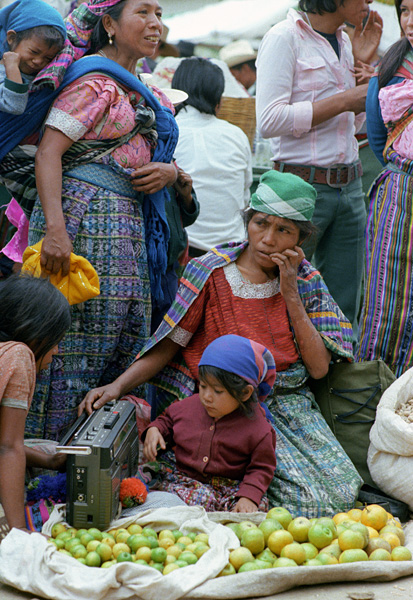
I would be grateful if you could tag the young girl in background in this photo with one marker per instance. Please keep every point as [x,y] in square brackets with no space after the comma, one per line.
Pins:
[34,317]
[224,446]
[31,34]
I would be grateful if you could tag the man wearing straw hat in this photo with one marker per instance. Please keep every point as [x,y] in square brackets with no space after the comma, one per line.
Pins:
[240,57]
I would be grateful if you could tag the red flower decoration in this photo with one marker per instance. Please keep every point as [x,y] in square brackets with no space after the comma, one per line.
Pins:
[132,492]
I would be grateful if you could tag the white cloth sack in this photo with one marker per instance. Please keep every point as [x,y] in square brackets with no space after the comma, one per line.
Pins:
[31,564]
[390,455]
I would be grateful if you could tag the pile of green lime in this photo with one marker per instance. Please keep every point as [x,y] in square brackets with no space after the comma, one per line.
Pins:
[166,550]
[361,534]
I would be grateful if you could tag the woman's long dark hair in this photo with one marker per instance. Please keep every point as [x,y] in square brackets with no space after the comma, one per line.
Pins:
[34,312]
[394,56]
[203,81]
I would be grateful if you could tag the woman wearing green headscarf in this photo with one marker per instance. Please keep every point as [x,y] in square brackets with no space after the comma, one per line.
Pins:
[265,290]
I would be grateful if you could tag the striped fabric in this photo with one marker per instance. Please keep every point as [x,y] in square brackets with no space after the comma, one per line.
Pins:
[107,228]
[324,313]
[386,326]
[314,476]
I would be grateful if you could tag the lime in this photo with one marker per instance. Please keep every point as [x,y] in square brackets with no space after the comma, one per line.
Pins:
[95,533]
[93,559]
[134,528]
[58,528]
[177,534]
[188,557]
[92,545]
[80,532]
[153,542]
[104,551]
[78,551]
[158,555]
[140,561]
[85,538]
[81,560]
[149,532]
[143,553]
[124,557]
[137,541]
[169,568]
[158,566]
[181,563]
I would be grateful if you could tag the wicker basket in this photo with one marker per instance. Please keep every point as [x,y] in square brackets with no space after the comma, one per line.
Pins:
[240,112]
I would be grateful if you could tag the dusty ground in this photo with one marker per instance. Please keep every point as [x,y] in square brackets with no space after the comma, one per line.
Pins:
[401,589]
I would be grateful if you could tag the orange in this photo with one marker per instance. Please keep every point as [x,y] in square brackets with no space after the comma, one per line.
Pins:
[392,538]
[355,514]
[353,555]
[295,552]
[373,533]
[169,568]
[351,540]
[339,517]
[380,554]
[327,559]
[104,551]
[118,548]
[144,553]
[227,570]
[376,543]
[267,526]
[278,539]
[284,562]
[239,556]
[253,539]
[374,516]
[310,550]
[280,514]
[396,530]
[134,528]
[299,528]
[401,553]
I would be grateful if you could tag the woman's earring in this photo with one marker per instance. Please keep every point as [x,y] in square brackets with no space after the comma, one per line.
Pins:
[110,39]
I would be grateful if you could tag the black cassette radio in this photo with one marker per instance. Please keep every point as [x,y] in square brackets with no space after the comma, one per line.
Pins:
[102,450]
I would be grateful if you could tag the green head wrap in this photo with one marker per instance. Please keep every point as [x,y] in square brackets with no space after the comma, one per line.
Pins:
[284,195]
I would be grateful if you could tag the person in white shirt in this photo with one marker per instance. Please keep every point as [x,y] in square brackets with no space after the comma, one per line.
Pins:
[215,153]
[308,104]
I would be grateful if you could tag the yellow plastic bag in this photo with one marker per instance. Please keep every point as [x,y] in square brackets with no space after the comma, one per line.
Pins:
[82,282]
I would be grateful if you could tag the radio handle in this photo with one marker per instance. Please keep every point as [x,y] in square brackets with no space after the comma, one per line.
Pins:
[81,450]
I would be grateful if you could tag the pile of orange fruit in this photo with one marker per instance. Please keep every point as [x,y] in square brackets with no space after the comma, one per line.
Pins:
[361,534]
[166,550]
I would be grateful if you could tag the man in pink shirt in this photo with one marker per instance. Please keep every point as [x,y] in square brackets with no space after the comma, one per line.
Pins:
[309,106]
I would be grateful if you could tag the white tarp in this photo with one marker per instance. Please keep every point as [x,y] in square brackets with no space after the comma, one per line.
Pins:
[226,21]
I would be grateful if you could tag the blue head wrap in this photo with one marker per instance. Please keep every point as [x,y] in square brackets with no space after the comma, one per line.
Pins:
[243,357]
[26,14]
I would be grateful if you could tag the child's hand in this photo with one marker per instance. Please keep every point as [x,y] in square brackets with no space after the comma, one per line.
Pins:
[152,440]
[11,61]
[245,505]
[56,462]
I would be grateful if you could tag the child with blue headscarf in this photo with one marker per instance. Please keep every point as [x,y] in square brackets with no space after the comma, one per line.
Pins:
[224,447]
[31,35]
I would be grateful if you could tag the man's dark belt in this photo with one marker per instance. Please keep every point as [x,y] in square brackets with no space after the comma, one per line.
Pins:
[336,176]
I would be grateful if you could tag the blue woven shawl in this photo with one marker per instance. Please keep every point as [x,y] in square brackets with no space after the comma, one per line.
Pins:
[14,128]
